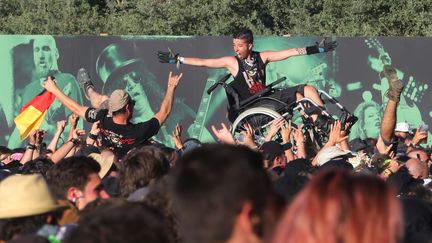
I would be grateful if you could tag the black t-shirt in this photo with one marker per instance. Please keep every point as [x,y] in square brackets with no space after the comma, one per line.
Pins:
[122,137]
[250,77]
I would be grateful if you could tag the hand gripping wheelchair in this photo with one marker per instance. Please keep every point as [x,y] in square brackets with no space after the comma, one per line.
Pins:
[260,117]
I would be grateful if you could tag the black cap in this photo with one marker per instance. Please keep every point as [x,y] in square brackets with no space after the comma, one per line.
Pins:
[272,149]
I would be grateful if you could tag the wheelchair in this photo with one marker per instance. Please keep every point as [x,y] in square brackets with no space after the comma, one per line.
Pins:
[260,117]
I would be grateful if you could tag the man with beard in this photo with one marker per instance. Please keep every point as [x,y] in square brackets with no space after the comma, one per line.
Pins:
[45,57]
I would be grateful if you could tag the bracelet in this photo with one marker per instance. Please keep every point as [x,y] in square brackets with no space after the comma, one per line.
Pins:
[93,136]
[181,60]
[75,141]
[31,146]
[313,50]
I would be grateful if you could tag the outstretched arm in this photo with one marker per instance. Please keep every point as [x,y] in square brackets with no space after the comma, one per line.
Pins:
[71,104]
[273,56]
[168,101]
[228,62]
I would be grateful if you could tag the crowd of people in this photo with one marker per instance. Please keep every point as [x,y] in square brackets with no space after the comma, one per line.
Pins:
[114,183]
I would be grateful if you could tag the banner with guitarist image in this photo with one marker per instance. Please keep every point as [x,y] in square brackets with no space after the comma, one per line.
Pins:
[352,74]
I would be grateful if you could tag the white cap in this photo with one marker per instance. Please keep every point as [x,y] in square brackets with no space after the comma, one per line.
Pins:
[402,127]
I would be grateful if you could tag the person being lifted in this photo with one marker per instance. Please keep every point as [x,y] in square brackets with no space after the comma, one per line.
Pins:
[248,68]
[115,127]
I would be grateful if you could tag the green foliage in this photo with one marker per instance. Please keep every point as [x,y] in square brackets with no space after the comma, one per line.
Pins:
[209,17]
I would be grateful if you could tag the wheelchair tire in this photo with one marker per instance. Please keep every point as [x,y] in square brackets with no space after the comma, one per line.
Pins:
[259,118]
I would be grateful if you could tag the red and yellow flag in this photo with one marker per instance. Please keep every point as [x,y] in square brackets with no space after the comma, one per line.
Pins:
[32,114]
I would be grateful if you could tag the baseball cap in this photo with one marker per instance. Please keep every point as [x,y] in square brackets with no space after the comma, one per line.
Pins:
[330,153]
[272,149]
[118,99]
[402,127]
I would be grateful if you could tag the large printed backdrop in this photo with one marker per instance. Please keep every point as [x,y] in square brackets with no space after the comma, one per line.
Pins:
[352,74]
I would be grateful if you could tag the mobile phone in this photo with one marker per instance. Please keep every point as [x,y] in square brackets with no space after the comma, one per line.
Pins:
[241,137]
[424,128]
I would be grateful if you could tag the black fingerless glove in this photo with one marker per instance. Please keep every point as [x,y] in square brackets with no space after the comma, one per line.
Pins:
[168,57]
[321,47]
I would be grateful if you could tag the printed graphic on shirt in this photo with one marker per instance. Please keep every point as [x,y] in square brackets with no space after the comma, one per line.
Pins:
[251,75]
[115,139]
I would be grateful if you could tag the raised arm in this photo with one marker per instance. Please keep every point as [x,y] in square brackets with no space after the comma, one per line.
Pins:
[168,101]
[228,62]
[71,104]
[273,56]
[60,128]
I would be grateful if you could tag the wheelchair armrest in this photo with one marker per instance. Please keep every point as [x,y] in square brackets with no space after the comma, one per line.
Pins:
[254,97]
[262,92]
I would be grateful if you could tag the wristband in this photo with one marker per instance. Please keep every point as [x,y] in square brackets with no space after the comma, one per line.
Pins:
[313,50]
[75,141]
[93,136]
[31,146]
[181,60]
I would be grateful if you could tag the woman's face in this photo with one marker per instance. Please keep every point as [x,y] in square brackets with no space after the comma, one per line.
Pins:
[372,122]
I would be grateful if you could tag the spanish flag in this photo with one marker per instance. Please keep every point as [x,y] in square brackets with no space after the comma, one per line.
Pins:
[32,114]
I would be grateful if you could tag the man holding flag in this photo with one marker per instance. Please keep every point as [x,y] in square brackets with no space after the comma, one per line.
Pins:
[45,58]
[33,113]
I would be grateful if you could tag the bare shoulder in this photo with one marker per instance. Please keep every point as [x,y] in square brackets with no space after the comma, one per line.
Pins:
[230,62]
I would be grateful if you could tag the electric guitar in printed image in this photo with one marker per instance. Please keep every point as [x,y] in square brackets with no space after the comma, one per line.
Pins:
[315,76]
[413,92]
[197,129]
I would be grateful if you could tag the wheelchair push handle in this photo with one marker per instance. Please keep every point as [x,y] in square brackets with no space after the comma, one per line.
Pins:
[220,82]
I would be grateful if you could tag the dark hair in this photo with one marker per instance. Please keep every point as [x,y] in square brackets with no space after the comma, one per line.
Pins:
[244,34]
[5,150]
[121,222]
[160,199]
[37,166]
[210,186]
[70,172]
[10,228]
[171,154]
[140,166]
[18,150]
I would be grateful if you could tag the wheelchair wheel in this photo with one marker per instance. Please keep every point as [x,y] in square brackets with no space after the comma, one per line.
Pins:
[259,118]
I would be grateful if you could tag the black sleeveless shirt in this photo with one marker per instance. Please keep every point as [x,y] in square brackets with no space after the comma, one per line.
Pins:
[250,77]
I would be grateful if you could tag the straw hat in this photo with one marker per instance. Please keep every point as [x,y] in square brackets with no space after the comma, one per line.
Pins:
[104,162]
[25,195]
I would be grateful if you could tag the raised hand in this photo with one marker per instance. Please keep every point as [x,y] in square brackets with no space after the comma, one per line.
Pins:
[173,80]
[324,46]
[39,136]
[419,136]
[248,136]
[335,134]
[77,133]
[50,84]
[168,57]
[176,136]
[286,130]
[61,125]
[223,134]
[95,129]
[274,128]
[73,120]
